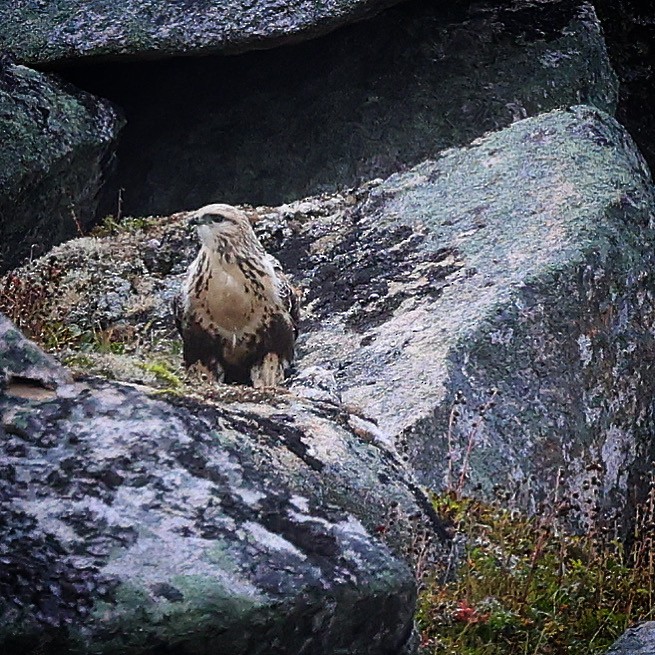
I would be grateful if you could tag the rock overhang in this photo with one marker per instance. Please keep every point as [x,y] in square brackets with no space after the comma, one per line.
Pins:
[46,34]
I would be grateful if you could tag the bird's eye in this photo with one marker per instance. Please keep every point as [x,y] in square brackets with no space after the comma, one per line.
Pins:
[210,219]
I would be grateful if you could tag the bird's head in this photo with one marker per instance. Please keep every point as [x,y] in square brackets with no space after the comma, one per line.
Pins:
[218,222]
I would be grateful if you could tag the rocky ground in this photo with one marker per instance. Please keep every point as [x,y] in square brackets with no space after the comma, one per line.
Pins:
[476,320]
[413,309]
[413,306]
[132,518]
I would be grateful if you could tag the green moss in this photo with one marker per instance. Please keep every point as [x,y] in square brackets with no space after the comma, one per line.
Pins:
[163,373]
[130,224]
[207,612]
[78,361]
[524,585]
[57,335]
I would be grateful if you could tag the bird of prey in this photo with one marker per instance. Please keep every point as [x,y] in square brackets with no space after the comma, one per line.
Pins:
[237,312]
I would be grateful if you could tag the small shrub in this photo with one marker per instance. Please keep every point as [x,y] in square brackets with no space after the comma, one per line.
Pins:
[111,226]
[524,585]
[116,340]
[25,300]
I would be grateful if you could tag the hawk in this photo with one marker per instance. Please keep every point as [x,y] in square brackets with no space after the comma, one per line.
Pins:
[237,312]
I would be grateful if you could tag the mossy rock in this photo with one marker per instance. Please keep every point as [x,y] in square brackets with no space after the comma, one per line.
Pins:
[40,33]
[492,309]
[57,142]
[139,523]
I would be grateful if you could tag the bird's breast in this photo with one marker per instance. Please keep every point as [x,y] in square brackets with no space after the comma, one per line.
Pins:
[230,302]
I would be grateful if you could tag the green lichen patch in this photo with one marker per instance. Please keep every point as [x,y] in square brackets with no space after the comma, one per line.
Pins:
[163,373]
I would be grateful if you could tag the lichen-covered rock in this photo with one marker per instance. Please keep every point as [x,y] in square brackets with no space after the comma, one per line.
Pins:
[636,641]
[56,142]
[489,310]
[44,32]
[22,362]
[492,310]
[366,102]
[131,523]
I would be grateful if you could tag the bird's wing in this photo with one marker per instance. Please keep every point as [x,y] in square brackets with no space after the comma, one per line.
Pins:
[289,294]
[178,312]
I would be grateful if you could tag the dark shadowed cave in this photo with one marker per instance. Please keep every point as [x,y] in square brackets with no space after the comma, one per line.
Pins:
[272,126]
[630,34]
[370,99]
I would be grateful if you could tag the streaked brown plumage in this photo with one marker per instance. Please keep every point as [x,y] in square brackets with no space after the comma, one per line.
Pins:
[237,312]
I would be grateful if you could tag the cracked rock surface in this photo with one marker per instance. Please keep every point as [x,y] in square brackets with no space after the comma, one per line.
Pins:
[498,312]
[22,361]
[132,521]
[639,640]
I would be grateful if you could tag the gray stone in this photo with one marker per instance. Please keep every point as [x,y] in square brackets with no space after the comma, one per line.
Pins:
[636,641]
[133,522]
[491,310]
[488,311]
[367,102]
[23,364]
[45,32]
[56,142]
